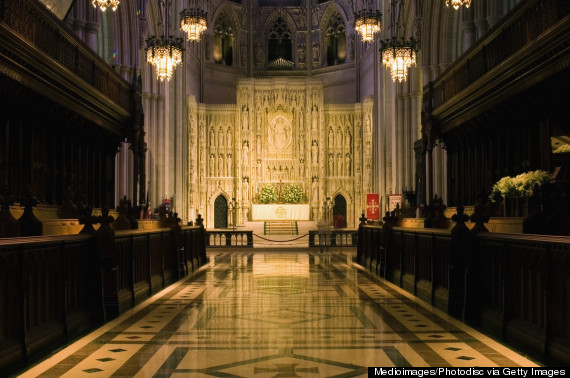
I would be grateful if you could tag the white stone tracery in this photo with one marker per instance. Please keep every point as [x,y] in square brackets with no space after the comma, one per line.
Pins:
[284,134]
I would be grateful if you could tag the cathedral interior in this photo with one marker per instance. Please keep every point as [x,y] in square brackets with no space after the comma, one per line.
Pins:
[421,149]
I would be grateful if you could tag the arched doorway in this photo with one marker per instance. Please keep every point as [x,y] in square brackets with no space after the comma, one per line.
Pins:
[339,211]
[221,212]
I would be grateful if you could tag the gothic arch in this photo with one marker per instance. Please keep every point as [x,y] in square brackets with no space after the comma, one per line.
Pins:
[212,207]
[225,36]
[291,26]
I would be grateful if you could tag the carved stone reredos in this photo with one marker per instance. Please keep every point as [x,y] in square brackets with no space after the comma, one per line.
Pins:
[279,132]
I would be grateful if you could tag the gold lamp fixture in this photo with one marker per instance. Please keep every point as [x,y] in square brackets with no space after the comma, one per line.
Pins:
[367,22]
[398,54]
[104,4]
[164,52]
[193,21]
[457,3]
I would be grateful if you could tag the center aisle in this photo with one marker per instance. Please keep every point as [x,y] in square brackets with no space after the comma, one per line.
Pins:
[278,313]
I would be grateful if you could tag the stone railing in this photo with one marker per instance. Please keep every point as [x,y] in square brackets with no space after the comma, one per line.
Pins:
[229,238]
[333,238]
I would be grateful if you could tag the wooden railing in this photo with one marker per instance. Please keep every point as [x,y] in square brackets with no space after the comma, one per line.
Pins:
[514,286]
[333,238]
[524,24]
[225,239]
[34,23]
[56,288]
[520,289]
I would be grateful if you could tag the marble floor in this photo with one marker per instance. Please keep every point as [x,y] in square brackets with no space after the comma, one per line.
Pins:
[256,313]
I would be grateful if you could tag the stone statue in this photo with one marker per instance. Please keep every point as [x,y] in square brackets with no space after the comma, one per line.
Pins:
[331,139]
[315,152]
[245,149]
[315,191]
[347,165]
[229,165]
[245,193]
[245,119]
[331,165]
[315,114]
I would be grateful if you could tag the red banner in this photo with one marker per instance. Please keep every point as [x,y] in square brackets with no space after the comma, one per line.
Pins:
[372,206]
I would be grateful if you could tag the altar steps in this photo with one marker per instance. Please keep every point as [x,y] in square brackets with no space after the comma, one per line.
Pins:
[280,228]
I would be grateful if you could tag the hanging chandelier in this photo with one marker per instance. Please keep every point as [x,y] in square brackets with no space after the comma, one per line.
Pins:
[399,55]
[104,4]
[457,3]
[367,22]
[165,52]
[193,21]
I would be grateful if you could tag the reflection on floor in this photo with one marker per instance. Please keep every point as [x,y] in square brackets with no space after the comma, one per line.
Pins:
[268,314]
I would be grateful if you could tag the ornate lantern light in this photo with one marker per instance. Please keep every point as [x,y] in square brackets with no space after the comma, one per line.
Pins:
[457,3]
[193,21]
[399,55]
[164,52]
[104,4]
[367,22]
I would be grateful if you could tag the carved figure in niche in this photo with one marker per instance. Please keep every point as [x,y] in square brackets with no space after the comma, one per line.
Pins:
[229,165]
[348,165]
[331,165]
[245,155]
[331,139]
[258,54]
[301,167]
[280,133]
[315,114]
[221,165]
[316,58]
[315,152]
[246,189]
[339,139]
[301,52]
[258,123]
[230,139]
[211,164]
[220,138]
[212,141]
[348,141]
[340,163]
[302,18]
[245,120]
[315,186]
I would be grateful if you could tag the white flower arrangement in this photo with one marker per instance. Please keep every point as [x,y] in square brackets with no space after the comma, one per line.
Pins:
[518,186]
[292,194]
[268,194]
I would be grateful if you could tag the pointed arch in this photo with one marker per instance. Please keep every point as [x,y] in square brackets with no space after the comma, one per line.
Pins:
[225,33]
[333,37]
[280,31]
